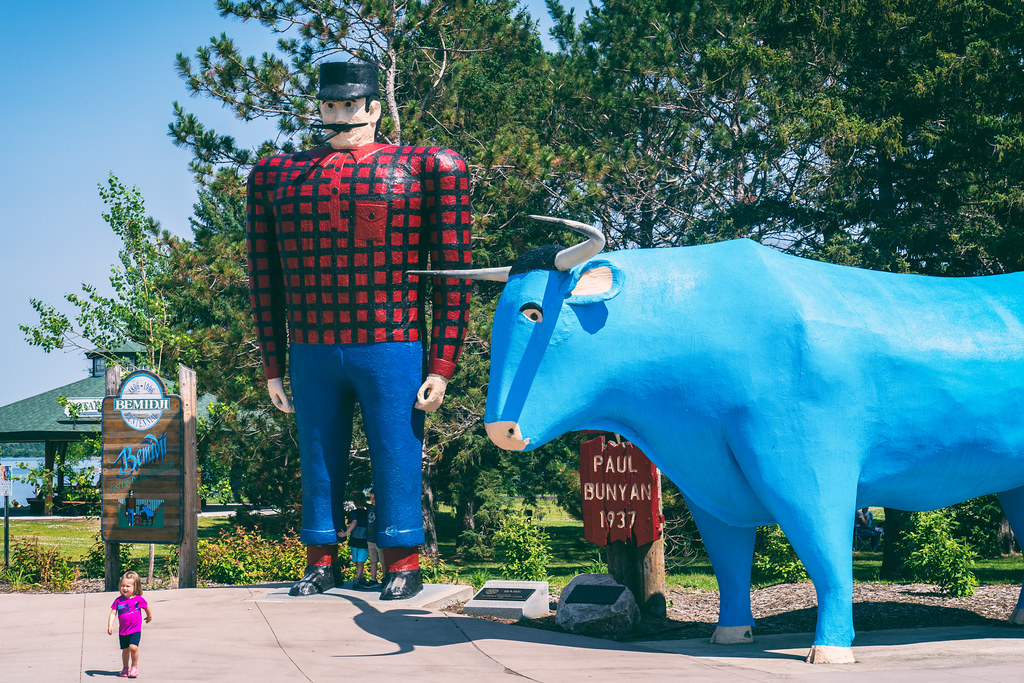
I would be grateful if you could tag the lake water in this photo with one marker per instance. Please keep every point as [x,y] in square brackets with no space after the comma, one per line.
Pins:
[23,491]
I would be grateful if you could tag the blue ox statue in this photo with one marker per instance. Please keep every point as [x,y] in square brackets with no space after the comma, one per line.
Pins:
[770,389]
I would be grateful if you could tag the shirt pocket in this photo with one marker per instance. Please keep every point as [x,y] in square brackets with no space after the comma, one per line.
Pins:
[371,221]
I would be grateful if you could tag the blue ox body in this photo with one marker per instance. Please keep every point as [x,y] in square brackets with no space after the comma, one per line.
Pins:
[773,389]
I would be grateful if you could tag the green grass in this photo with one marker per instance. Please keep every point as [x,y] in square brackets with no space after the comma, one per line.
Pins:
[73,537]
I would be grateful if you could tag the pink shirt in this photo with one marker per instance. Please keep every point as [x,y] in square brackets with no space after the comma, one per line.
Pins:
[129,613]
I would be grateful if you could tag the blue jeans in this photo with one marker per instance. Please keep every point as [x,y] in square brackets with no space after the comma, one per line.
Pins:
[327,380]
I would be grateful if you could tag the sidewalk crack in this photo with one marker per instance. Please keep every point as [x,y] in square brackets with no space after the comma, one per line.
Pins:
[511,672]
[276,639]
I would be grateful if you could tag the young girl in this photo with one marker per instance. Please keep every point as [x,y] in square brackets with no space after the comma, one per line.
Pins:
[127,608]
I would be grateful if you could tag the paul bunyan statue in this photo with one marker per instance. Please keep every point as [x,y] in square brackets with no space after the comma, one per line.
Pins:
[330,233]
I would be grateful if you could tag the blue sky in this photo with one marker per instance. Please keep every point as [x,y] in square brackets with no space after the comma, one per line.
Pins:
[88,89]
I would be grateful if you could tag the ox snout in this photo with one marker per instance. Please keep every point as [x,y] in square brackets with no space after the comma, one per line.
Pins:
[506,434]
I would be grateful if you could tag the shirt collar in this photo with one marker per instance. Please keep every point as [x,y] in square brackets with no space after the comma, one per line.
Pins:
[361,152]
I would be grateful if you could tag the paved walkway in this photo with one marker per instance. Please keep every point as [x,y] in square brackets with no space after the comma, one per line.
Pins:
[259,634]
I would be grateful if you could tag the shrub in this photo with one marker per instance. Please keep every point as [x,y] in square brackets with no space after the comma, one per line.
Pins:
[522,549]
[434,570]
[939,558]
[35,564]
[775,561]
[94,564]
[472,545]
[243,556]
[478,577]
[978,523]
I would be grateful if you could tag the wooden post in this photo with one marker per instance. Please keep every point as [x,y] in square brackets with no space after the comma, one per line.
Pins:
[189,549]
[49,464]
[629,525]
[642,570]
[112,550]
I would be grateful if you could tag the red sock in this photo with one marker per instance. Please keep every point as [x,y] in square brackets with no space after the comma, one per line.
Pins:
[401,559]
[321,555]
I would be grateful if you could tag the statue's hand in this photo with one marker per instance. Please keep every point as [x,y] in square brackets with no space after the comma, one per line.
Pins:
[431,393]
[278,396]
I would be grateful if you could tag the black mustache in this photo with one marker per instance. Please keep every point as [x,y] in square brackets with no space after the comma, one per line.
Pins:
[339,127]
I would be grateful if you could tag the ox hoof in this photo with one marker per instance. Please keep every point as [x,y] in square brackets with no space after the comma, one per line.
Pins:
[731,635]
[1017,618]
[830,654]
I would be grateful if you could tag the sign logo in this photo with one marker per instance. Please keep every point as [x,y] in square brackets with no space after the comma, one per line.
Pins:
[142,401]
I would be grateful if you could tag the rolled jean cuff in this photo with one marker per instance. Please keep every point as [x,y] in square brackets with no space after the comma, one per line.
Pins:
[315,537]
[406,538]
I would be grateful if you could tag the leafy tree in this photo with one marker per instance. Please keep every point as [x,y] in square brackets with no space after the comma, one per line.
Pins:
[246,446]
[918,109]
[680,123]
[137,311]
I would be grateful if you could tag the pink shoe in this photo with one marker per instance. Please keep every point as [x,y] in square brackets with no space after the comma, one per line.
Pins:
[133,672]
[123,674]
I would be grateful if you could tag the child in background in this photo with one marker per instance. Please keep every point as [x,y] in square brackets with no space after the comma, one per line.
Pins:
[374,555]
[127,608]
[356,533]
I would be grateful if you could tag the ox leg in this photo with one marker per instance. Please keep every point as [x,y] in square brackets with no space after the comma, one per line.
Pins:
[1013,508]
[731,550]
[821,537]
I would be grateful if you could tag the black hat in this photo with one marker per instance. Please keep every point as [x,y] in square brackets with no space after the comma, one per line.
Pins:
[347,81]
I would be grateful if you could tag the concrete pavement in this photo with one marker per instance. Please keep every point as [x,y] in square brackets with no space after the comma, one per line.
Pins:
[260,634]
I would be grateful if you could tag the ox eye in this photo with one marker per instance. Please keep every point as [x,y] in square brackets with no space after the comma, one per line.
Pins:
[532,311]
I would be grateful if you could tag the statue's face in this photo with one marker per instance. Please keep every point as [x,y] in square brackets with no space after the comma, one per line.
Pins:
[358,122]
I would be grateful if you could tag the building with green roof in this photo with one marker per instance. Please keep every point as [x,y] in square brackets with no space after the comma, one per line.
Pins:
[42,418]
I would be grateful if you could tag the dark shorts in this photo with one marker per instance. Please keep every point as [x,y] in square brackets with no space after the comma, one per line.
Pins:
[130,639]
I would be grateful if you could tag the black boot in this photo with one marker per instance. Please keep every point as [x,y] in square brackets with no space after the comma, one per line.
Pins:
[402,584]
[315,580]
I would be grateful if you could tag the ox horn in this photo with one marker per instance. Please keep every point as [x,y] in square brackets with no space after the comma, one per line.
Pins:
[577,254]
[564,260]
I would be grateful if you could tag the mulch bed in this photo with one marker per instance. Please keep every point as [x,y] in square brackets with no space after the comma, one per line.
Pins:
[792,608]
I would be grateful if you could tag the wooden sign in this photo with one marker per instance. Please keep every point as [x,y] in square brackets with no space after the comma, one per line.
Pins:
[142,474]
[620,493]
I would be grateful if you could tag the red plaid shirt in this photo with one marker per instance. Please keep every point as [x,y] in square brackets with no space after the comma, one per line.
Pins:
[330,235]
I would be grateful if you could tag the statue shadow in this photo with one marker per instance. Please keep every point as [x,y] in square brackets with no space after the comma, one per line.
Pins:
[784,636]
[404,628]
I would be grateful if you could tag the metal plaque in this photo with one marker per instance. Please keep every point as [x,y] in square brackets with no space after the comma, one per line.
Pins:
[595,595]
[505,594]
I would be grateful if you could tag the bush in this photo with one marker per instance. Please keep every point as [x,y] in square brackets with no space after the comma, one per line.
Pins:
[472,545]
[939,558]
[775,561]
[243,556]
[434,570]
[34,564]
[94,564]
[522,549]
[978,523]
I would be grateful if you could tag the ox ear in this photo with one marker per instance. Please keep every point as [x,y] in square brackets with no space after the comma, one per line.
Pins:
[596,280]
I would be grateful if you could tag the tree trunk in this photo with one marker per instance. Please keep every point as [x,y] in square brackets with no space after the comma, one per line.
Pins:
[895,553]
[429,526]
[1006,538]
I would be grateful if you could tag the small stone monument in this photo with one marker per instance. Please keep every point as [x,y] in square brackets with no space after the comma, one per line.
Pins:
[596,604]
[510,600]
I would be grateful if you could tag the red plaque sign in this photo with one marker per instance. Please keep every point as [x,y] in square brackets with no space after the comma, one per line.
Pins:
[620,493]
